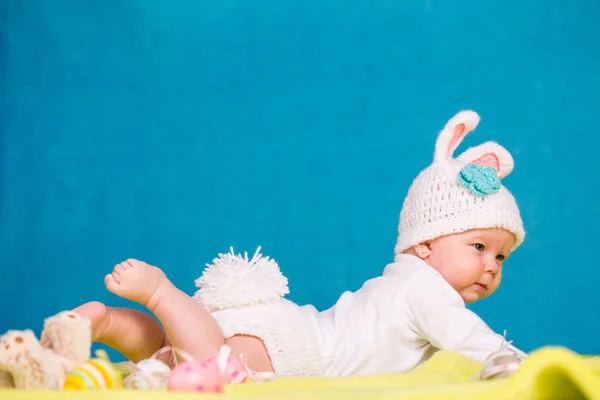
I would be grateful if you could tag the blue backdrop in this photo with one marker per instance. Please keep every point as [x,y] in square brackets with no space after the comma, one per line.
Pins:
[169,131]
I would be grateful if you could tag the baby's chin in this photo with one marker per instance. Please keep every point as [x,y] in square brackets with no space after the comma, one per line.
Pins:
[470,296]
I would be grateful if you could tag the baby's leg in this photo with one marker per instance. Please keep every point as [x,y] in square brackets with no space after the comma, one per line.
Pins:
[187,324]
[133,333]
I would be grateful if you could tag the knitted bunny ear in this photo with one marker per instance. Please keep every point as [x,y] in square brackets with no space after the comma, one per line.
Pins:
[490,154]
[453,134]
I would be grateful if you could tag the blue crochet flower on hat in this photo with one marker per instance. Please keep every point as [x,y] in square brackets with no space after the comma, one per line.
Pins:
[481,181]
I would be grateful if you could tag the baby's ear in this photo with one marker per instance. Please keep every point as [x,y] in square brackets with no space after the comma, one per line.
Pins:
[490,154]
[453,134]
[423,250]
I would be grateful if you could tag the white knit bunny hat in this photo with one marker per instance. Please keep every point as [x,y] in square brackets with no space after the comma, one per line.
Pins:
[454,195]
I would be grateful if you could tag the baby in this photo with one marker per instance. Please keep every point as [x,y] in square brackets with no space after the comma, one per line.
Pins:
[458,225]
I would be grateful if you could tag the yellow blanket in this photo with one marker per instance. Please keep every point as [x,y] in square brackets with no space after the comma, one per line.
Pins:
[549,373]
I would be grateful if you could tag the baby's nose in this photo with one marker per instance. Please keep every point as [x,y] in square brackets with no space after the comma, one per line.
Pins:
[492,266]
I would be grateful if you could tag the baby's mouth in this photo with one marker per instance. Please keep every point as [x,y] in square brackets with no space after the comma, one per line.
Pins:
[481,286]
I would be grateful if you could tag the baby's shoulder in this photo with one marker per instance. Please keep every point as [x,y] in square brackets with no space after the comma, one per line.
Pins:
[419,281]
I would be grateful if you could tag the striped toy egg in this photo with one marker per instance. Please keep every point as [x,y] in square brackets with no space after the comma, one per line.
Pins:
[94,374]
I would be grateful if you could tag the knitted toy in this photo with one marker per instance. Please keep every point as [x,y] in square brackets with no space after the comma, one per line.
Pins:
[26,363]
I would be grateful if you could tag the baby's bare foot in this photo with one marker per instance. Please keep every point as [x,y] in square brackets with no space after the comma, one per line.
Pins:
[140,282]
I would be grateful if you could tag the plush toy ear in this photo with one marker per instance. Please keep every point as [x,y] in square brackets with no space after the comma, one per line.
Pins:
[490,154]
[453,133]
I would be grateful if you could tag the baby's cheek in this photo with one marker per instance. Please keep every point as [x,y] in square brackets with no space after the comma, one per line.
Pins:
[460,281]
[494,285]
[499,276]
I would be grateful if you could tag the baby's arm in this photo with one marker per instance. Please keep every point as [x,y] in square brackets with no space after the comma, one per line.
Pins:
[439,316]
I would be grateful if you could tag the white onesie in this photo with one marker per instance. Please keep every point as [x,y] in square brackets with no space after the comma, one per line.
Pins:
[391,324]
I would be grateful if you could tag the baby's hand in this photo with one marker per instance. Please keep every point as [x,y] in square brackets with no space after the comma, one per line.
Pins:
[502,363]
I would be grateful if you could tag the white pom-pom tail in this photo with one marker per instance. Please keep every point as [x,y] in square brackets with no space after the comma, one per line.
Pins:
[236,281]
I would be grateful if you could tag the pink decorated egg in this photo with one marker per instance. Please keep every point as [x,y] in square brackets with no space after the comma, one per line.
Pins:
[198,376]
[235,370]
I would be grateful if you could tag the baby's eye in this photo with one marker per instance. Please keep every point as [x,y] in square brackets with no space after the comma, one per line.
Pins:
[500,257]
[479,247]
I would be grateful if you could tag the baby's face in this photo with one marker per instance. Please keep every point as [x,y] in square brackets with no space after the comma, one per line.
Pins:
[471,261]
